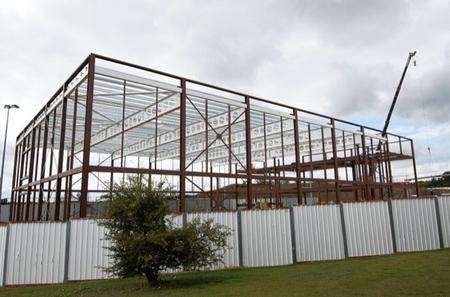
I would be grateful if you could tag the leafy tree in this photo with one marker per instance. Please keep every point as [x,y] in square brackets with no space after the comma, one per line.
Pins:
[145,242]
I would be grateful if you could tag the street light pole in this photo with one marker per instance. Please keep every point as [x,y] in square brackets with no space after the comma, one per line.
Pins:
[8,107]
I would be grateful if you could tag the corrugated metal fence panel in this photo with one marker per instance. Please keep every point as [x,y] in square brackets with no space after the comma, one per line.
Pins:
[228,219]
[368,228]
[444,211]
[88,255]
[318,233]
[3,231]
[415,224]
[36,253]
[177,220]
[266,238]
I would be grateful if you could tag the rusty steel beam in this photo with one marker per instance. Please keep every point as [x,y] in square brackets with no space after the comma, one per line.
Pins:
[30,172]
[182,206]
[416,185]
[62,138]
[335,159]
[68,203]
[362,159]
[87,137]
[12,199]
[248,146]
[297,161]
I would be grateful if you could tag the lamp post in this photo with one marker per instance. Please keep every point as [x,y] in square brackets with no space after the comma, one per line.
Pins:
[8,107]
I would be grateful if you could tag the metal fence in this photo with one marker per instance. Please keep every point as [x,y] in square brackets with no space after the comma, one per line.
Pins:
[41,253]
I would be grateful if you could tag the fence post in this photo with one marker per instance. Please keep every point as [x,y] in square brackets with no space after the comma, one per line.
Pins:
[67,250]
[439,222]
[5,261]
[391,222]
[184,218]
[344,230]
[239,231]
[292,223]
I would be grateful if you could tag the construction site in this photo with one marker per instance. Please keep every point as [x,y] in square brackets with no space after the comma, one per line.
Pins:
[217,149]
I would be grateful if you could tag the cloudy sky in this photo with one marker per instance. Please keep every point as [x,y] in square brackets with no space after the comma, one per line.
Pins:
[342,58]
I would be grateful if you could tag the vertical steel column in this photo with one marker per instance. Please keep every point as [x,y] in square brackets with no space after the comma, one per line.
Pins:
[324,157]
[62,138]
[236,193]
[414,168]
[182,205]
[156,128]
[311,170]
[389,170]
[359,174]
[19,180]
[210,194]
[297,160]
[36,166]
[282,144]
[335,162]
[43,163]
[380,175]
[30,172]
[248,150]
[68,204]
[87,137]
[345,155]
[229,139]
[206,136]
[122,134]
[52,142]
[364,168]
[265,144]
[12,199]
[371,171]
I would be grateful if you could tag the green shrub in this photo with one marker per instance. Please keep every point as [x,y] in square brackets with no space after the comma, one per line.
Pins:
[145,242]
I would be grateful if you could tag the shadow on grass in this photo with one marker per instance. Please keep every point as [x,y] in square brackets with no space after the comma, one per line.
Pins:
[181,281]
[194,280]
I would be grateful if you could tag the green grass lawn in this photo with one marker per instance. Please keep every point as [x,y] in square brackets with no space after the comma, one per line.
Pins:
[412,274]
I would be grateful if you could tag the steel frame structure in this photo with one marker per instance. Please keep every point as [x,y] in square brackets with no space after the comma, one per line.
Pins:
[230,150]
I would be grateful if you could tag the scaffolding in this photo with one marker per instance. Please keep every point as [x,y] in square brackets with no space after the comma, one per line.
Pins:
[216,148]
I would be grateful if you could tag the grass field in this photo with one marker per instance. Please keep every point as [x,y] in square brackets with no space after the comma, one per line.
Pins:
[412,274]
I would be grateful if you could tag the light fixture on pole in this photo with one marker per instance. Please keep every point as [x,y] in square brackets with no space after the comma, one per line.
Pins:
[8,107]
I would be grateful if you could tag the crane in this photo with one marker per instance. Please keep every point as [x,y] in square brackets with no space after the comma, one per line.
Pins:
[397,92]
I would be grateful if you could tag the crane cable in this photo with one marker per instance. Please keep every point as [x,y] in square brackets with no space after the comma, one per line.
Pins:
[426,120]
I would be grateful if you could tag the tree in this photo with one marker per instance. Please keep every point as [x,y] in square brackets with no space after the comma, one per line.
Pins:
[145,242]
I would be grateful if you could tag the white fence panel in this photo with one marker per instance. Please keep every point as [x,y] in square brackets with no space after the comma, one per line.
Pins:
[228,219]
[368,229]
[176,220]
[318,233]
[415,224]
[3,231]
[266,238]
[36,253]
[444,211]
[88,255]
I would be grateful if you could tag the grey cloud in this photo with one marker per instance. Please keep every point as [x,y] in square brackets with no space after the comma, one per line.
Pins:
[428,100]
[337,57]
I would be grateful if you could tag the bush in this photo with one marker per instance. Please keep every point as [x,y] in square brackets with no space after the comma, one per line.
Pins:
[145,242]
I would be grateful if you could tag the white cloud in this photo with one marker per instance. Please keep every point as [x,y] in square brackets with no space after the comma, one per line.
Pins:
[338,57]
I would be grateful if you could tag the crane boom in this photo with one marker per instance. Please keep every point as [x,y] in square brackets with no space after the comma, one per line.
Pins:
[397,92]
[394,101]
